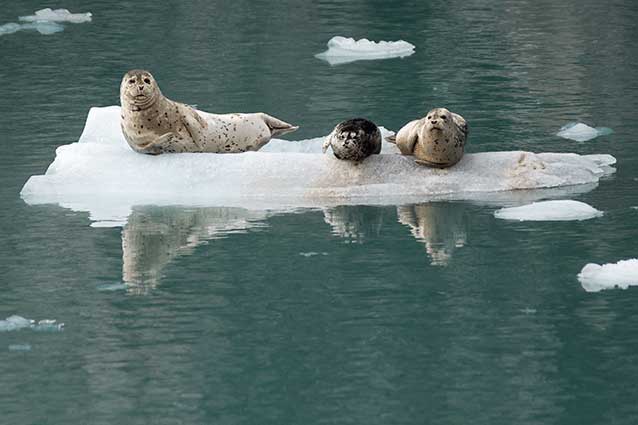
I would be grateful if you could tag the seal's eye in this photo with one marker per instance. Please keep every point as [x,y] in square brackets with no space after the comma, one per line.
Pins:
[443,117]
[131,81]
[147,81]
[429,116]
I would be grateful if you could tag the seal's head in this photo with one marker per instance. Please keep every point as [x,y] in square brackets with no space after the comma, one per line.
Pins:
[139,90]
[439,120]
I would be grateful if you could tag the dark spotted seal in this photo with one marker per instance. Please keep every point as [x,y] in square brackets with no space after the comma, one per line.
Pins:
[437,140]
[154,124]
[354,140]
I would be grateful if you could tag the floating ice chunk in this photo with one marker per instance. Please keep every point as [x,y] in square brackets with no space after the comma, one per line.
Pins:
[312,254]
[20,347]
[14,322]
[57,15]
[344,50]
[109,287]
[581,132]
[41,27]
[549,211]
[102,175]
[623,274]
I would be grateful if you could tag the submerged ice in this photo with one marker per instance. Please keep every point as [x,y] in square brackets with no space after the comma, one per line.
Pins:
[344,50]
[45,21]
[102,175]
[623,274]
[561,210]
[581,132]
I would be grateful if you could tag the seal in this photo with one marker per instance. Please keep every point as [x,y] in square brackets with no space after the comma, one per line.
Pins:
[354,140]
[153,124]
[437,140]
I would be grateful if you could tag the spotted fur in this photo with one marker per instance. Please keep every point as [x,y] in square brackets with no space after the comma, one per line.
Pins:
[354,140]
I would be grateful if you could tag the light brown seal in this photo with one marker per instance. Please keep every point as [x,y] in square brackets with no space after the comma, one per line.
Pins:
[154,124]
[437,140]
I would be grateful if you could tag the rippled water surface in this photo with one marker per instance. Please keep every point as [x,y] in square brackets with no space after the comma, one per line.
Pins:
[396,314]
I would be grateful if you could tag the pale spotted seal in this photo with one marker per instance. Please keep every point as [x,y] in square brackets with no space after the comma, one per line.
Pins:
[354,140]
[437,140]
[154,124]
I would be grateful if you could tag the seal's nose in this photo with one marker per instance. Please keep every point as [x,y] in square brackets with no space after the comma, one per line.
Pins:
[433,121]
[140,88]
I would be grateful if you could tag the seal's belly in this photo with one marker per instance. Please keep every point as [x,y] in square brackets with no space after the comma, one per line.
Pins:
[440,150]
[231,133]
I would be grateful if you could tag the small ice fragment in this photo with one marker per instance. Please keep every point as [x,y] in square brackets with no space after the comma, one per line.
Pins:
[528,310]
[634,208]
[111,287]
[48,326]
[344,50]
[10,28]
[57,15]
[594,277]
[14,322]
[549,211]
[312,254]
[20,347]
[581,132]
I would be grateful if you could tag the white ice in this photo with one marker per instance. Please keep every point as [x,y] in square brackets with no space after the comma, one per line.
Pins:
[57,15]
[623,274]
[581,132]
[14,323]
[562,210]
[344,50]
[41,27]
[100,174]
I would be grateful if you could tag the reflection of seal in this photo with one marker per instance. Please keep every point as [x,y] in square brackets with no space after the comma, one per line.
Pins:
[441,227]
[153,124]
[438,140]
[354,140]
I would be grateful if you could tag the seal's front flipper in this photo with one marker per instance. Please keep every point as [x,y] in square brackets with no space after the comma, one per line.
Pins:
[163,144]
[196,127]
[277,127]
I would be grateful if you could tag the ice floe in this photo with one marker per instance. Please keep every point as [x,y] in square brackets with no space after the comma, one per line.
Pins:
[45,21]
[581,132]
[344,50]
[623,274]
[100,174]
[15,322]
[57,15]
[562,210]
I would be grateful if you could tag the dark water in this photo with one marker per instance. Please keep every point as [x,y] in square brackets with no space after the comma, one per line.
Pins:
[431,313]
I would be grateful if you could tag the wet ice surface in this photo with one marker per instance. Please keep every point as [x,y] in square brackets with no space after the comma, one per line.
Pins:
[102,175]
[57,15]
[623,274]
[343,50]
[581,132]
[15,322]
[45,21]
[562,210]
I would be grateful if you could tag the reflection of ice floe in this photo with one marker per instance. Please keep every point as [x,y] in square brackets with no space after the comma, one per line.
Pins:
[354,223]
[581,132]
[154,236]
[14,323]
[562,210]
[102,175]
[441,227]
[344,50]
[41,27]
[594,277]
[57,15]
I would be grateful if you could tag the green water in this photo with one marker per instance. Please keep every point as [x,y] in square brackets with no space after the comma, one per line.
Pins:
[432,313]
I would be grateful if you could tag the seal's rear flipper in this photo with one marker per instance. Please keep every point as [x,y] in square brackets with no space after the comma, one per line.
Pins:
[278,127]
[391,139]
